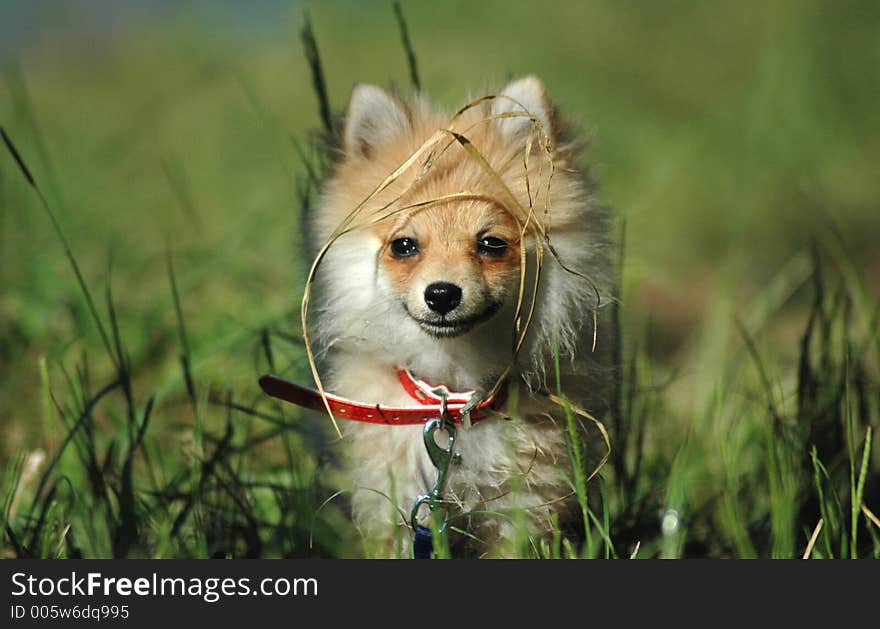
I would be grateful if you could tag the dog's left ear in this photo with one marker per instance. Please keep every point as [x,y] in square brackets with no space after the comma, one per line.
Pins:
[524,96]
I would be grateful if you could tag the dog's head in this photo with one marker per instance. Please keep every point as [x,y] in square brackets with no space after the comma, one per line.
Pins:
[451,267]
[448,269]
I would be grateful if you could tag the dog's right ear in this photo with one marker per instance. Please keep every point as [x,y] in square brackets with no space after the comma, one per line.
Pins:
[374,117]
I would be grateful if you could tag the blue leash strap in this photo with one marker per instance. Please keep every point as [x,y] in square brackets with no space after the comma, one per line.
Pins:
[423,543]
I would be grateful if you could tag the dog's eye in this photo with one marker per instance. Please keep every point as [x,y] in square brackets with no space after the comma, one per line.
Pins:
[491,246]
[404,247]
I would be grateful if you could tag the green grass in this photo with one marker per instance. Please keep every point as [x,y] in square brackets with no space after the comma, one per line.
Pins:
[739,143]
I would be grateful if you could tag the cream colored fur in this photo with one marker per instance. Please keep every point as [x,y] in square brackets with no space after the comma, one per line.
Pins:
[364,334]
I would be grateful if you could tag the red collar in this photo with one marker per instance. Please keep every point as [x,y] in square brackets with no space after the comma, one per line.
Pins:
[420,390]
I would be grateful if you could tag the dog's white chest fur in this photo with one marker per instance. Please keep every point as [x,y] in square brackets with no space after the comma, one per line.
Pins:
[508,467]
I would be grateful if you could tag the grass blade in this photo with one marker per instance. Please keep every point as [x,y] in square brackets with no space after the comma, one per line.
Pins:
[407,47]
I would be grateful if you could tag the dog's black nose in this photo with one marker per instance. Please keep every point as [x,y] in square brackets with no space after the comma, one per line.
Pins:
[442,297]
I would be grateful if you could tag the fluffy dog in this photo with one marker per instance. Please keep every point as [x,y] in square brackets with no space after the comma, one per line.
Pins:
[435,291]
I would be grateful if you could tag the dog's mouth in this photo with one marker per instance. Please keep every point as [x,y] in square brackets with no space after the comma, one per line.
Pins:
[449,328]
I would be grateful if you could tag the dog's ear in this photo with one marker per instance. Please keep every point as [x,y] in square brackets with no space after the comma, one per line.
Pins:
[524,96]
[373,118]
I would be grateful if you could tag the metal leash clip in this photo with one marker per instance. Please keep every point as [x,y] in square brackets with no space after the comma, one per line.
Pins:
[441,458]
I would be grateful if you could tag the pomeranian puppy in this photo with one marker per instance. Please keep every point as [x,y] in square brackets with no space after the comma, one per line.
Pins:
[432,293]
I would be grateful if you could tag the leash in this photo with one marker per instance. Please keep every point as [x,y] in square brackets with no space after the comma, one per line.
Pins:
[441,458]
[439,409]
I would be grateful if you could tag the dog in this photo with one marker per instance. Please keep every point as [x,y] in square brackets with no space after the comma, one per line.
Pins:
[437,294]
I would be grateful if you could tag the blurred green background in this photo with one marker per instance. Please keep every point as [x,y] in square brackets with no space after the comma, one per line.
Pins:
[727,136]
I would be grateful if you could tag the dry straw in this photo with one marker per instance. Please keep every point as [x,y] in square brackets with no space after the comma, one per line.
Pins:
[527,220]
